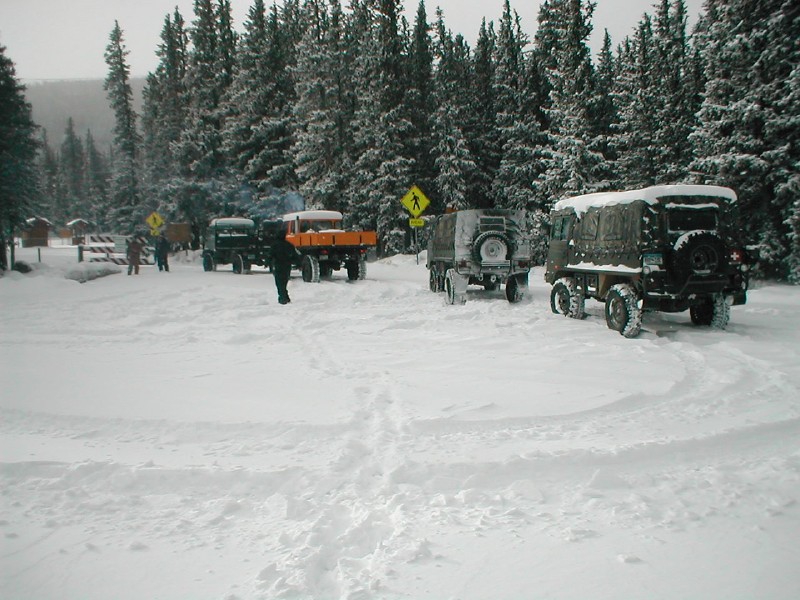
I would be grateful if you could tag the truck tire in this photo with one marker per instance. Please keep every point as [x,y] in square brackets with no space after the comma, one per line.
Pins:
[515,288]
[698,253]
[565,299]
[491,246]
[208,263]
[434,281]
[238,264]
[310,269]
[622,310]
[451,294]
[713,312]
[357,270]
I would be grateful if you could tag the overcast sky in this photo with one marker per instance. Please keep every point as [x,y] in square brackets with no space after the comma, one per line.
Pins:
[65,39]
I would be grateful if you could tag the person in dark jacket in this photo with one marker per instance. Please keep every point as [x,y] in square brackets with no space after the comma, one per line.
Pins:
[284,255]
[134,255]
[162,253]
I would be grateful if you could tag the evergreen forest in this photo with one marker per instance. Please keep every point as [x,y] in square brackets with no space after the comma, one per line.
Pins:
[349,106]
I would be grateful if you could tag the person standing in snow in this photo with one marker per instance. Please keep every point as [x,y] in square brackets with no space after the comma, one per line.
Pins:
[134,255]
[162,252]
[284,255]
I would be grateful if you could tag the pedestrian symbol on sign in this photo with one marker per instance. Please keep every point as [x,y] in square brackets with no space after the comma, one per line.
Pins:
[415,201]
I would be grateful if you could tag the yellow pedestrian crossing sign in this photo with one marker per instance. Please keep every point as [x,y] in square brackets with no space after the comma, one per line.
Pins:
[154,220]
[415,201]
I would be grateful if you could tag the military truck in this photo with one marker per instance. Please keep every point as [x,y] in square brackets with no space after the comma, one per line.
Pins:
[239,242]
[324,246]
[486,247]
[663,248]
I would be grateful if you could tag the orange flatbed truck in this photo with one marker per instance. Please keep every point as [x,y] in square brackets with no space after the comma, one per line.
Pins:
[325,247]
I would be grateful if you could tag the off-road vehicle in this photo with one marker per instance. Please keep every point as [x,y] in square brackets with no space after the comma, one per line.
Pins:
[324,246]
[663,248]
[486,247]
[239,242]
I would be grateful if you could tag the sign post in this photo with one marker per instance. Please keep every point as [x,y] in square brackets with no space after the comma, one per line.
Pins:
[415,202]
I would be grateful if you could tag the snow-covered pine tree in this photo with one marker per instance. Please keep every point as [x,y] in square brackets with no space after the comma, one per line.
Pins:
[249,96]
[778,71]
[482,132]
[164,112]
[453,162]
[205,186]
[382,173]
[322,132]
[71,158]
[96,174]
[419,99]
[573,166]
[18,145]
[47,167]
[604,114]
[125,212]
[259,125]
[638,101]
[675,91]
[199,150]
[744,139]
[508,84]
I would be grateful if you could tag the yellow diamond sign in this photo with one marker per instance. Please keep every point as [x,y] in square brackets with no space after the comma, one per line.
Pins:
[154,220]
[415,201]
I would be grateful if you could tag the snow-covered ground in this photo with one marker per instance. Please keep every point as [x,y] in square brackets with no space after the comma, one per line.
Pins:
[183,436]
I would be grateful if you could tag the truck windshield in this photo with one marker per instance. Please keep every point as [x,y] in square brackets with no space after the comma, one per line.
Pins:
[319,225]
[691,219]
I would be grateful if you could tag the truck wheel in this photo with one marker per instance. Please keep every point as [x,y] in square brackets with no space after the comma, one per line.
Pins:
[325,270]
[357,270]
[434,283]
[208,263]
[622,310]
[238,264]
[451,294]
[515,288]
[698,253]
[565,299]
[310,269]
[714,312]
[491,246]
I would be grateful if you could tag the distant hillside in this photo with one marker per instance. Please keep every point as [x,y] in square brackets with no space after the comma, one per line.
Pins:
[84,100]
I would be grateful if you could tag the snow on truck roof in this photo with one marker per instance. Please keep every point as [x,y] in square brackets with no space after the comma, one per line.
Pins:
[232,222]
[314,215]
[651,195]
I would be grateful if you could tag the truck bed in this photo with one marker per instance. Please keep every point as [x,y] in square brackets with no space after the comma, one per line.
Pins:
[336,239]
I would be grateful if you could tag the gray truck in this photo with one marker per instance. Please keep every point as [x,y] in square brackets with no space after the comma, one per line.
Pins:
[485,247]
[664,248]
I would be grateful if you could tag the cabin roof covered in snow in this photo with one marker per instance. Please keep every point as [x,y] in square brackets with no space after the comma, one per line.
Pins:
[651,195]
[314,215]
